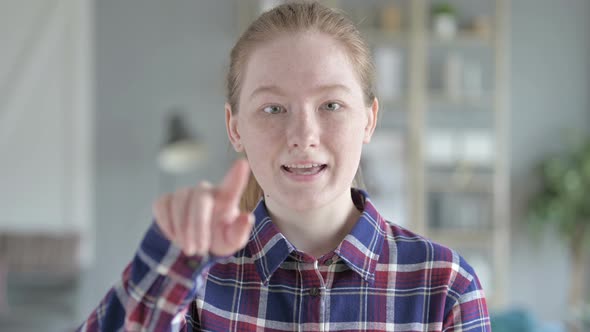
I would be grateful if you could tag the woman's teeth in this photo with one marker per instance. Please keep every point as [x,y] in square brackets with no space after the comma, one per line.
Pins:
[305,169]
[303,166]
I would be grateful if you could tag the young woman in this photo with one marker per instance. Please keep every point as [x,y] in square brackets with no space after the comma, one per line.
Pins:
[295,247]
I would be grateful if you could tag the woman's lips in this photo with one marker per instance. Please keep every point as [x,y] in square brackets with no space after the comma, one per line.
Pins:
[305,170]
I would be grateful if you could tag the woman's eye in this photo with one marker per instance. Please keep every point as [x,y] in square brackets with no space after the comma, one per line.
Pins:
[273,109]
[332,106]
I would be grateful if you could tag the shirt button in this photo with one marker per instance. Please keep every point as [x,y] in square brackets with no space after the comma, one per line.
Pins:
[314,291]
[329,262]
[193,263]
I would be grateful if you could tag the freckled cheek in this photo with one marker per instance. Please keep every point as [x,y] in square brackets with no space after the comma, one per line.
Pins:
[343,133]
[261,137]
[348,141]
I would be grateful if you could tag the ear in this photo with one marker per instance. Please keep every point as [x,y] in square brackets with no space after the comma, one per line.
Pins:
[231,124]
[371,120]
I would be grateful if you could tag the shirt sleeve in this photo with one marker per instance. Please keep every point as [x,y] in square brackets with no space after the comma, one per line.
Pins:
[470,311]
[154,291]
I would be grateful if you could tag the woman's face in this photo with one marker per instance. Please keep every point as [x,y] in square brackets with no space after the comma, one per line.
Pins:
[301,120]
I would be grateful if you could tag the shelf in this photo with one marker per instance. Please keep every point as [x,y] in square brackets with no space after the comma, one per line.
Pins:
[383,37]
[460,166]
[460,181]
[462,237]
[463,39]
[395,120]
[444,99]
[395,105]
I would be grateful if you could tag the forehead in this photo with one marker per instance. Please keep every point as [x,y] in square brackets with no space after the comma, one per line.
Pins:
[299,63]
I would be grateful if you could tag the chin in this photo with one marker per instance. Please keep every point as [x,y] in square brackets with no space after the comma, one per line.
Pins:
[302,201]
[303,206]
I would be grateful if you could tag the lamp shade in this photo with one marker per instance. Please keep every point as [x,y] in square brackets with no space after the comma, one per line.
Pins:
[181,152]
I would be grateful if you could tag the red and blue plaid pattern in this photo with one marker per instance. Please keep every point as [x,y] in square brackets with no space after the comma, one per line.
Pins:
[382,277]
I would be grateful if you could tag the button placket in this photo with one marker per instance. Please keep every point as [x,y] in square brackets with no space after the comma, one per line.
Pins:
[314,291]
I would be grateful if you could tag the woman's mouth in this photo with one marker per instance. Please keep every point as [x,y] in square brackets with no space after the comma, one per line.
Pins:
[304,169]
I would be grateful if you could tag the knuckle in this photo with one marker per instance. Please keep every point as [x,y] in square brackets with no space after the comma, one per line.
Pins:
[204,185]
[201,246]
[161,201]
[201,200]
[160,205]
[183,192]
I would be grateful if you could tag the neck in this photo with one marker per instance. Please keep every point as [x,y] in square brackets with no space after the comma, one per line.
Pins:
[319,231]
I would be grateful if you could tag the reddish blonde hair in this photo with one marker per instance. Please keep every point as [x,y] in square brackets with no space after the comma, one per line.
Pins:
[290,18]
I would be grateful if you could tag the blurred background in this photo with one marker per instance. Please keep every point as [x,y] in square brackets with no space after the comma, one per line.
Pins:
[485,107]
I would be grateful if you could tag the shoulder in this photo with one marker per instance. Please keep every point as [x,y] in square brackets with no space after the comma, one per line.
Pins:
[412,248]
[409,251]
[424,270]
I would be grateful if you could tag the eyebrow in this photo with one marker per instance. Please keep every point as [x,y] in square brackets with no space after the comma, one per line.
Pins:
[278,91]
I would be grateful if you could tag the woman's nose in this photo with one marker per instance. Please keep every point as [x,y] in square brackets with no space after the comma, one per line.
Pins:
[303,130]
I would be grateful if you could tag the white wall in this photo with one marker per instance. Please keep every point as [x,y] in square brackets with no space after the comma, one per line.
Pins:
[46,129]
[46,152]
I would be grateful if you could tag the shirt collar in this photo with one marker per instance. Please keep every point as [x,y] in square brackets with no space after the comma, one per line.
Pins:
[360,249]
[267,245]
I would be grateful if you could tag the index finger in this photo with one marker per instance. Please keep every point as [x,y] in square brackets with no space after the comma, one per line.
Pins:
[234,183]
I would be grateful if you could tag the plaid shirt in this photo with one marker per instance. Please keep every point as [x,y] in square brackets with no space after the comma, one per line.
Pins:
[382,277]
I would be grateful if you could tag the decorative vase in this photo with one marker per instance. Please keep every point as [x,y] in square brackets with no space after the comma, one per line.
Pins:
[445,26]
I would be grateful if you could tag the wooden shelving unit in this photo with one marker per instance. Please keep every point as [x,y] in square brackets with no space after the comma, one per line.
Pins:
[424,106]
